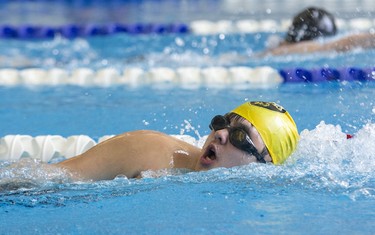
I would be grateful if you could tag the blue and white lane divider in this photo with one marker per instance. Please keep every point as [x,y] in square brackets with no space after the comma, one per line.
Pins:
[200,27]
[184,77]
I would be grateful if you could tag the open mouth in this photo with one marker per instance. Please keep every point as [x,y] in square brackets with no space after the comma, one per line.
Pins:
[209,155]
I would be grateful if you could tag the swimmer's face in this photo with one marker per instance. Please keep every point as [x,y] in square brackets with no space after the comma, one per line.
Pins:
[218,151]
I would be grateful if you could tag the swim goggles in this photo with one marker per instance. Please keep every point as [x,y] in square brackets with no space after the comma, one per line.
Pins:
[237,137]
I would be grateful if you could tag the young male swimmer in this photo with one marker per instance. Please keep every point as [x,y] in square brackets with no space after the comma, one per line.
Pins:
[314,23]
[252,132]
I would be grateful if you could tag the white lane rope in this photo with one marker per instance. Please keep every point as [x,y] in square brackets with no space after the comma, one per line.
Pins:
[268,25]
[186,77]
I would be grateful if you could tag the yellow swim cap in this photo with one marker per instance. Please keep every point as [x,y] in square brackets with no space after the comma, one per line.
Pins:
[274,124]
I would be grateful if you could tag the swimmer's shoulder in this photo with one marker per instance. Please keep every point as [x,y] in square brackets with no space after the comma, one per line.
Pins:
[142,133]
[151,135]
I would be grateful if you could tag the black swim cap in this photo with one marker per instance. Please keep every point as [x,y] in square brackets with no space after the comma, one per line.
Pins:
[311,23]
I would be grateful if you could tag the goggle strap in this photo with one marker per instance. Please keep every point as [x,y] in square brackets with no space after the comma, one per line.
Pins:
[260,156]
[264,152]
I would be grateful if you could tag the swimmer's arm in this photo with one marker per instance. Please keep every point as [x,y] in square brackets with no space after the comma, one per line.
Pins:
[102,162]
[361,40]
[295,48]
[126,154]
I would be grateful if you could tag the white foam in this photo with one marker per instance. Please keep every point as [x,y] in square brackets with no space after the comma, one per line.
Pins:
[326,149]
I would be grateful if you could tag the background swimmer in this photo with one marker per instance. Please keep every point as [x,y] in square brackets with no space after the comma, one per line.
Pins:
[253,132]
[314,23]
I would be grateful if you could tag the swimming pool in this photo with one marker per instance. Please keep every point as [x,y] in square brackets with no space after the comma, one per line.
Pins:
[327,186]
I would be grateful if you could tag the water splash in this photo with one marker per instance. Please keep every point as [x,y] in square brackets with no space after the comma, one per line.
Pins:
[328,160]
[29,173]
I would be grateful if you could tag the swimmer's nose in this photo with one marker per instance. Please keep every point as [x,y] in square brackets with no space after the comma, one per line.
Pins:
[222,135]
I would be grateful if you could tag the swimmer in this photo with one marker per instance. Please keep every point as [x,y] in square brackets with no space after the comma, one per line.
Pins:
[253,132]
[314,23]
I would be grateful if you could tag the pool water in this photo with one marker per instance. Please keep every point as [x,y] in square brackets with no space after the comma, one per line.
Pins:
[326,187]
[328,184]
[72,110]
[121,51]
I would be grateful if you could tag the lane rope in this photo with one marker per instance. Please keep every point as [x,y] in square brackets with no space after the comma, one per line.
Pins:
[198,27]
[238,77]
[185,77]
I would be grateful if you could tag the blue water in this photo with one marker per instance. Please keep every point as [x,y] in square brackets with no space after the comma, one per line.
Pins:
[251,199]
[96,111]
[134,11]
[326,187]
[172,50]
[233,206]
[328,184]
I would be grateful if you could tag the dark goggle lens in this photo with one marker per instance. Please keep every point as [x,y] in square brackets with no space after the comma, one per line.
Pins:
[219,122]
[240,139]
